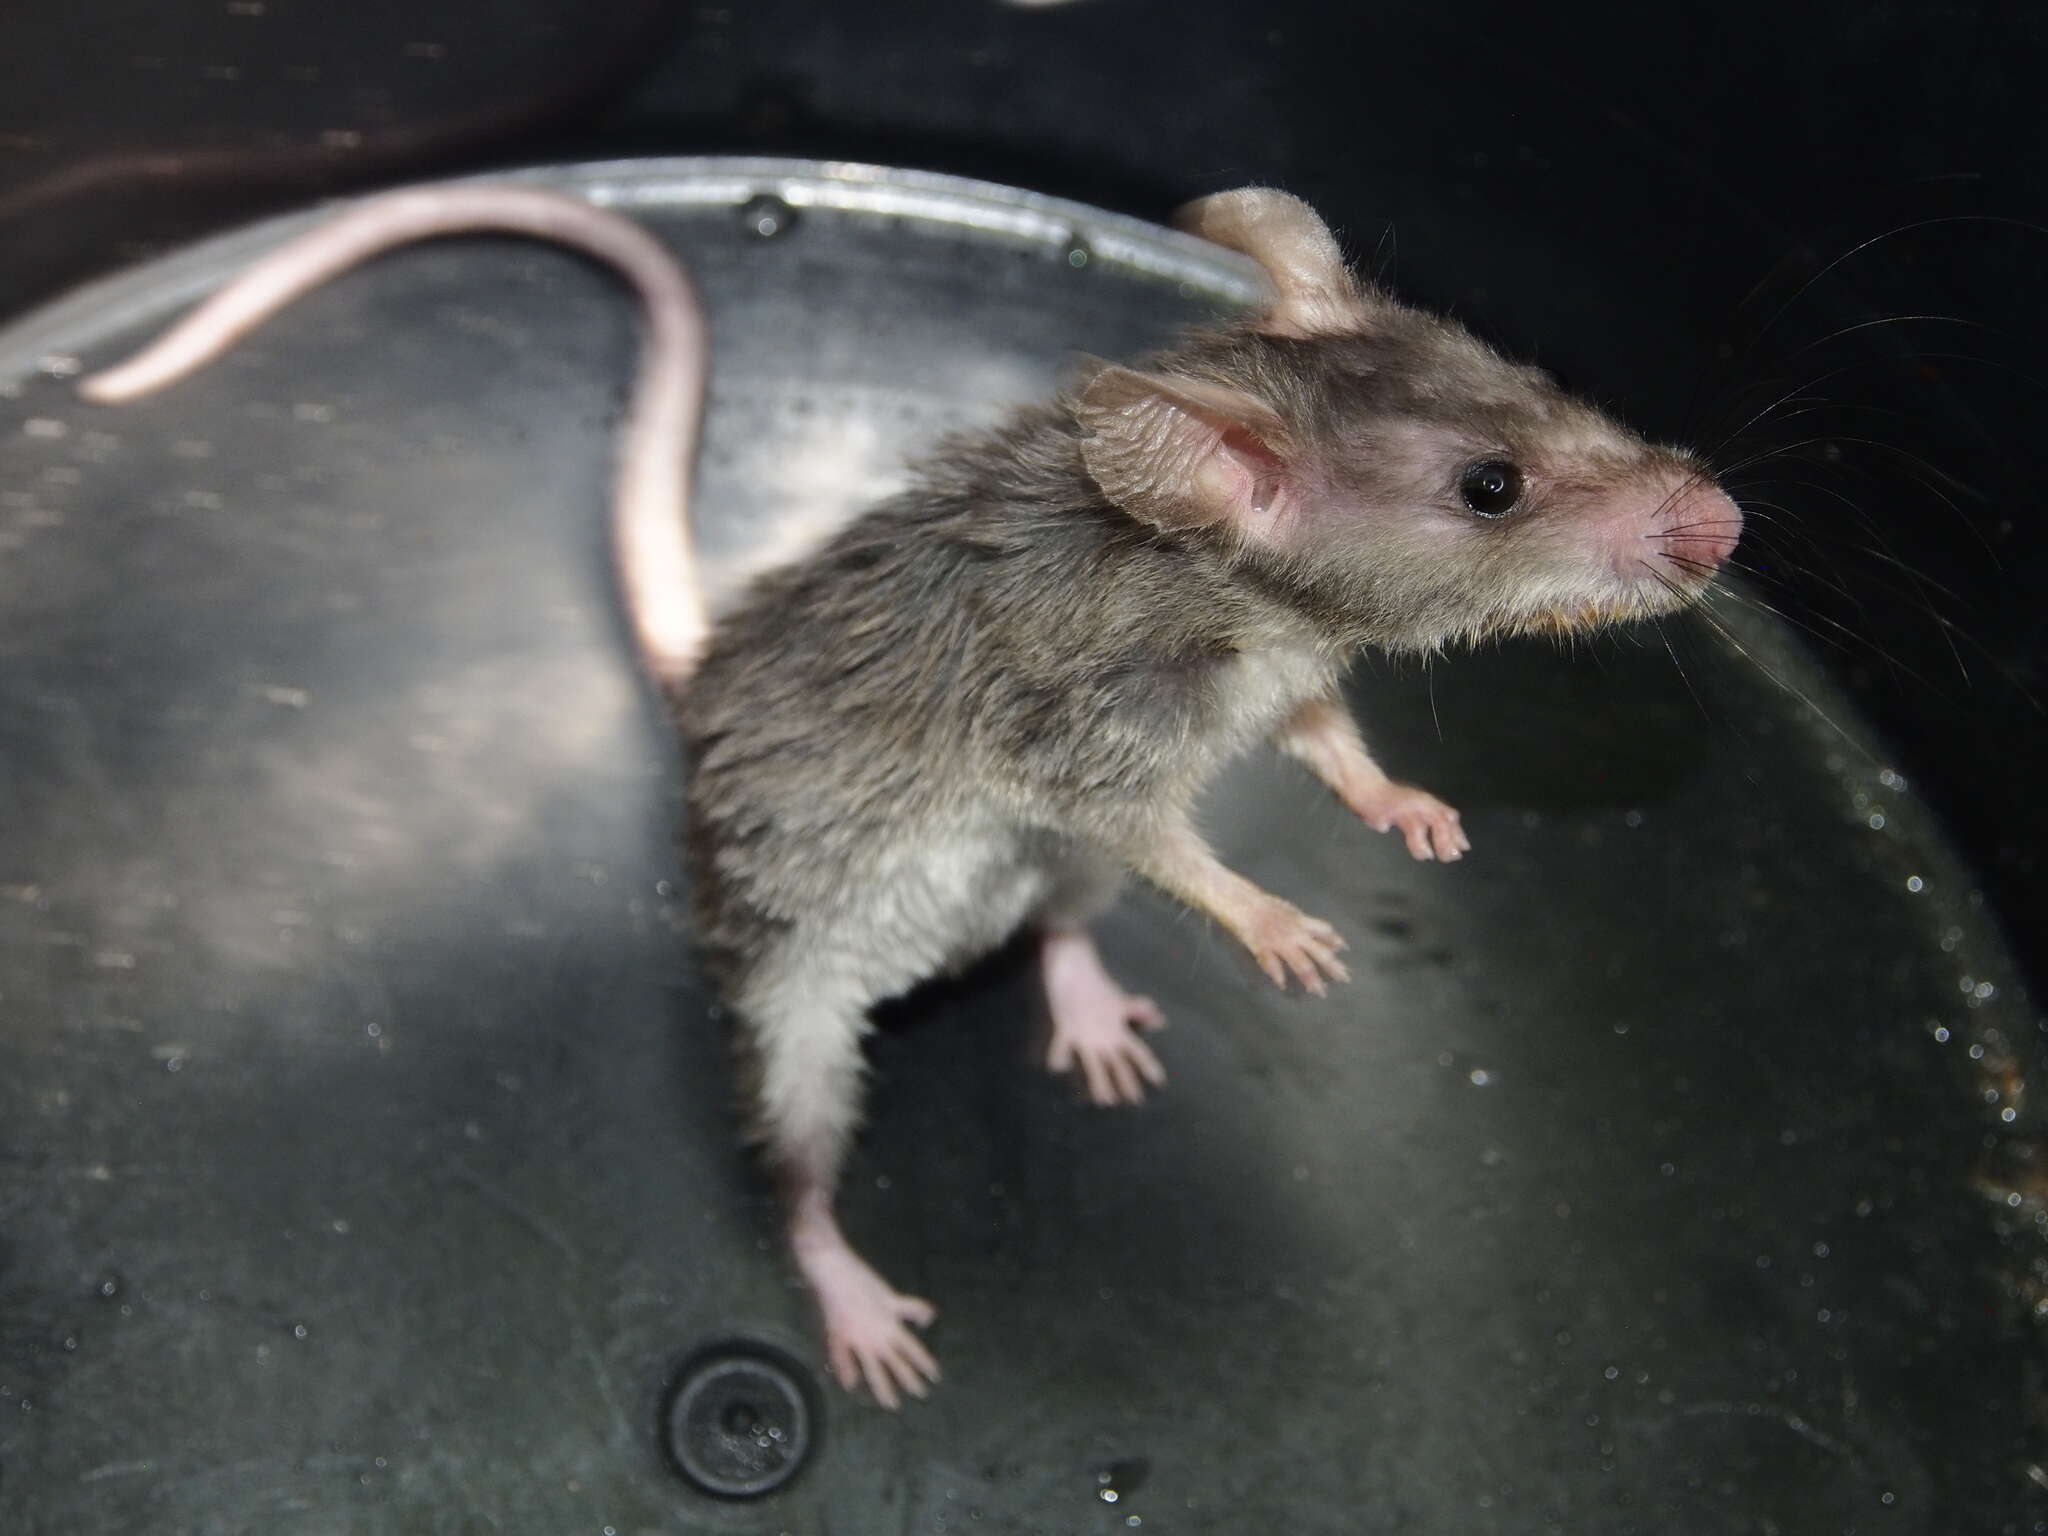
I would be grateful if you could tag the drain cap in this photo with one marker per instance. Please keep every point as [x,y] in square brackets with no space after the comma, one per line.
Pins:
[739,1421]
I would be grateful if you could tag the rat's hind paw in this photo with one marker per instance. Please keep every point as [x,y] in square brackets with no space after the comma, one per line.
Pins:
[868,1337]
[1095,1023]
[1431,829]
[1104,1042]
[1285,940]
[878,1348]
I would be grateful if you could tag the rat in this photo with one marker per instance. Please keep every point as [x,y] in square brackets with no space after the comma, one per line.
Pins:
[983,704]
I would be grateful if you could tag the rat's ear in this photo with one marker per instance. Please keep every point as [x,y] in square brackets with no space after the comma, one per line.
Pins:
[1314,292]
[1182,453]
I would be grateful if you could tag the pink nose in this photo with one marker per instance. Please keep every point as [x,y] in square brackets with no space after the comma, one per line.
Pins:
[1698,531]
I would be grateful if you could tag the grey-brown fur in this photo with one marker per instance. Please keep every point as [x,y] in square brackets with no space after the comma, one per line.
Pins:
[995,635]
[1000,638]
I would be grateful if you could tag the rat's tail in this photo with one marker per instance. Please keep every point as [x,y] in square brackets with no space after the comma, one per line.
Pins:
[658,444]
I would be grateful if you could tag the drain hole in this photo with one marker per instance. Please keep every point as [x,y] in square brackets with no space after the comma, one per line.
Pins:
[739,1421]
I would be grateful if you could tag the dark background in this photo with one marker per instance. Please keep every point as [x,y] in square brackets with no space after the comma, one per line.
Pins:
[1692,212]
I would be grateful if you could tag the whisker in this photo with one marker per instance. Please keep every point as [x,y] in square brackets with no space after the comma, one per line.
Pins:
[1855,643]
[1719,522]
[1892,234]
[1708,617]
[1679,667]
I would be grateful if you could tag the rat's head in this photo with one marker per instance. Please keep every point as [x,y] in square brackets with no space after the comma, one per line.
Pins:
[1413,484]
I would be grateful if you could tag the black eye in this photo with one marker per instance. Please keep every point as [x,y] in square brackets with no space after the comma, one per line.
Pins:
[1490,487]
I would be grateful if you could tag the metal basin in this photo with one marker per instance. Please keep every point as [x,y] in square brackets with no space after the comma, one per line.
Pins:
[367,1157]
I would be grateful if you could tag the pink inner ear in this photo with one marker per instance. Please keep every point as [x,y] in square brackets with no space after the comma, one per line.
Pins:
[1253,481]
[1187,453]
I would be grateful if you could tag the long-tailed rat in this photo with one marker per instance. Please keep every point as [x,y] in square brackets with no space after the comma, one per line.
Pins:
[986,701]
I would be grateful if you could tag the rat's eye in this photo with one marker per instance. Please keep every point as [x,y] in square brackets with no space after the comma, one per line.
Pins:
[1490,487]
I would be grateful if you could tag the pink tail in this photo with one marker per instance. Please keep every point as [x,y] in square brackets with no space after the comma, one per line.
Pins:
[658,445]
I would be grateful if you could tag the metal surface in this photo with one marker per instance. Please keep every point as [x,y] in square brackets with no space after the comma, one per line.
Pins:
[366,1153]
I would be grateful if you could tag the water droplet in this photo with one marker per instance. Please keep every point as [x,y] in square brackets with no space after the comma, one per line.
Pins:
[1877,821]
[1915,883]
[766,216]
[44,426]
[1077,252]
[1480,1077]
[1632,818]
[1612,1372]
[1109,1495]
[298,1330]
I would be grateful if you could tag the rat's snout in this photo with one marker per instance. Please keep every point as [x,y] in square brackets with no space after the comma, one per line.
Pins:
[1697,531]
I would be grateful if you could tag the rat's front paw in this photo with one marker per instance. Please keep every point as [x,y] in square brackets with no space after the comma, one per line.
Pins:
[1284,939]
[1429,827]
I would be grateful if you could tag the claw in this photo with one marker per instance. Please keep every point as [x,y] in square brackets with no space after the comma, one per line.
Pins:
[1285,940]
[1431,829]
